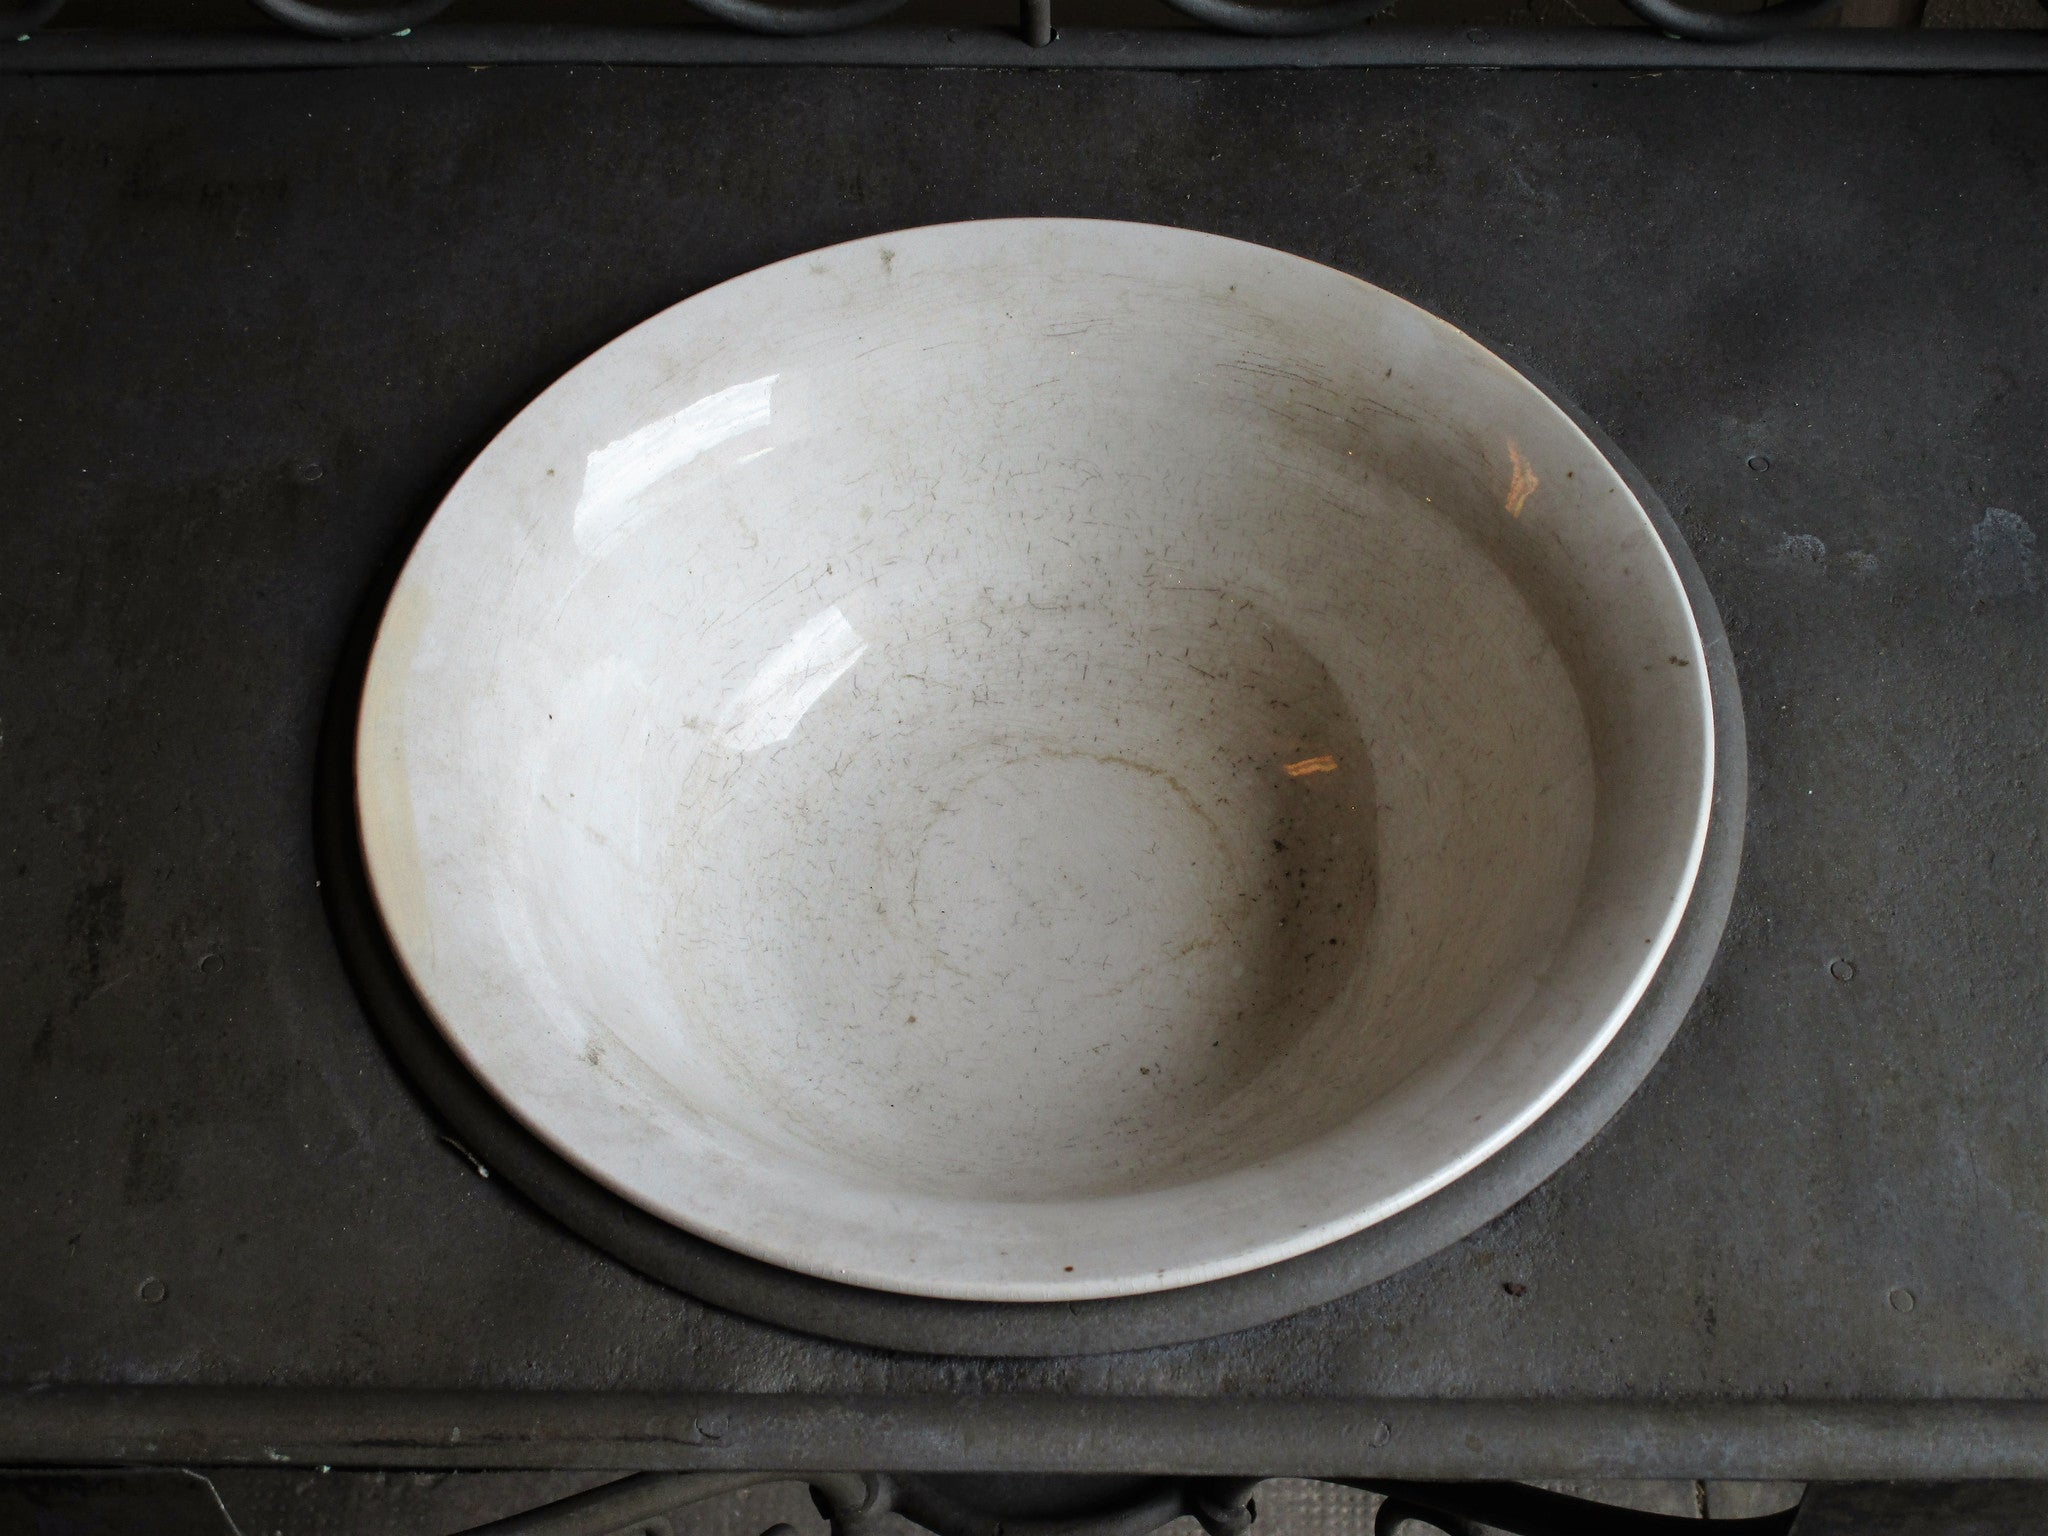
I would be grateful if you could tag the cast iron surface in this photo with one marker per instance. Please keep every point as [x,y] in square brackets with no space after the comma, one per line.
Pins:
[483,1130]
[122,50]
[1080,1506]
[170,1503]
[1036,26]
[255,325]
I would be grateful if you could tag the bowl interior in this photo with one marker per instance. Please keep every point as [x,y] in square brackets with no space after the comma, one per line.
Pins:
[1034,760]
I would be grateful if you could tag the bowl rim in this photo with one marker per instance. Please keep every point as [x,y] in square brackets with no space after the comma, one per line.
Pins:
[1139,1283]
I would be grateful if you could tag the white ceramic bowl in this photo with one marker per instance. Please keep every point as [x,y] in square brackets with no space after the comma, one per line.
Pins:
[1034,760]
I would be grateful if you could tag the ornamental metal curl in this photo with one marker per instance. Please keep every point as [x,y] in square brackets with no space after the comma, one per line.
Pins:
[797,20]
[350,23]
[1279,20]
[24,19]
[1251,18]
[1731,26]
[858,1504]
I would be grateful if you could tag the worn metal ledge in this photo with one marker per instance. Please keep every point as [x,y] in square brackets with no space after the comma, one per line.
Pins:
[1627,48]
[1359,1437]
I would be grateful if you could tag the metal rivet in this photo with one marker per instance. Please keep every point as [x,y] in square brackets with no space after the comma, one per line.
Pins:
[210,965]
[1382,1432]
[1843,970]
[151,1290]
[307,472]
[1758,462]
[1901,1300]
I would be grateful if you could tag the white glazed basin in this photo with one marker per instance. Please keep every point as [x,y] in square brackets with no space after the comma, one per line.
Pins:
[1034,760]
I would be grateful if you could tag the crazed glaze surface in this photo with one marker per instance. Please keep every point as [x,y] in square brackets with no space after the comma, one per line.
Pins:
[1034,760]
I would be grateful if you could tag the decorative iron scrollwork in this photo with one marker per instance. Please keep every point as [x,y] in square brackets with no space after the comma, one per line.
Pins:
[861,1504]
